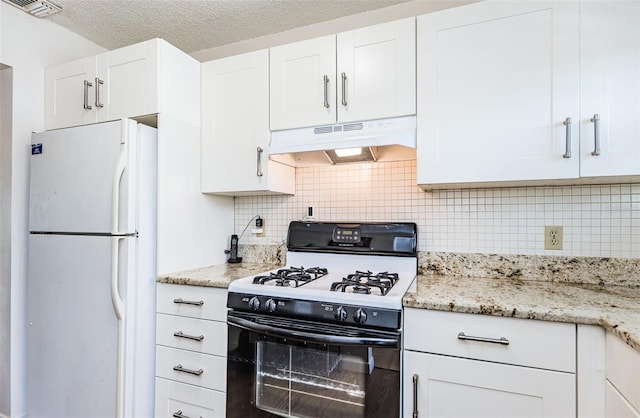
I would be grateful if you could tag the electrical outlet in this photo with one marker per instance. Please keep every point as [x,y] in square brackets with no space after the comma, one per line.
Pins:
[553,237]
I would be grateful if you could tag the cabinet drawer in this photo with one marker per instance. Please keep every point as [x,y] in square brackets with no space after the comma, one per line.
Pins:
[192,301]
[541,344]
[212,370]
[208,337]
[623,369]
[187,400]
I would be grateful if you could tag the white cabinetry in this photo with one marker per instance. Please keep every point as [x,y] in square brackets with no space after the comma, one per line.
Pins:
[363,74]
[496,82]
[137,80]
[462,365]
[610,88]
[622,394]
[191,351]
[235,129]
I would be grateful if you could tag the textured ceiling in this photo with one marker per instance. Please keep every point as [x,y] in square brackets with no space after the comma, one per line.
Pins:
[194,25]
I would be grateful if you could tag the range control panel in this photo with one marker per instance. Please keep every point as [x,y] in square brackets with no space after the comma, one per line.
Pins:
[344,234]
[316,311]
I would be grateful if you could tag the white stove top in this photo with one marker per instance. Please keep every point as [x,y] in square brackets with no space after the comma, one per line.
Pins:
[338,266]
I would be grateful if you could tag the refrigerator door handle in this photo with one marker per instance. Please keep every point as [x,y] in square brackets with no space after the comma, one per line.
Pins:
[116,298]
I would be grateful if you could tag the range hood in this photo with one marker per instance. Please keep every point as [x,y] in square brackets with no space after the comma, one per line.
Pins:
[369,136]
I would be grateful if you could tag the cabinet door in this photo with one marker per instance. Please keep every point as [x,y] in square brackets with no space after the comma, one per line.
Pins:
[377,71]
[496,82]
[303,83]
[236,134]
[450,387]
[130,81]
[610,87]
[69,99]
[175,399]
[616,406]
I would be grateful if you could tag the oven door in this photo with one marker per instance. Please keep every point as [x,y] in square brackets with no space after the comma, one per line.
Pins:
[293,368]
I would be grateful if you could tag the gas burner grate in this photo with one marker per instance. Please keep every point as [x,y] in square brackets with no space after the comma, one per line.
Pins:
[366,282]
[291,277]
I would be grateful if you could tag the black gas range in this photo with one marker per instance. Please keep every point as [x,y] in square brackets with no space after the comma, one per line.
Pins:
[320,336]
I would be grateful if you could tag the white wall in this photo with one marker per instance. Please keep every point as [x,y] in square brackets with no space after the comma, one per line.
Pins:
[27,45]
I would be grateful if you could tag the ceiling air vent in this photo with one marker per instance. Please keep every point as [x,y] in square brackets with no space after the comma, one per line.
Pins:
[37,8]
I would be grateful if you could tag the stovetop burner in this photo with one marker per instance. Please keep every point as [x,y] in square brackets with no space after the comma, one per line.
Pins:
[291,277]
[365,282]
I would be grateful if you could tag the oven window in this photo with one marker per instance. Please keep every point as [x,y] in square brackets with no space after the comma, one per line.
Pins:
[311,382]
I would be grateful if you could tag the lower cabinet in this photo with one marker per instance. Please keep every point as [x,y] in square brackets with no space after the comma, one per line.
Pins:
[174,399]
[191,351]
[462,365]
[457,387]
[622,388]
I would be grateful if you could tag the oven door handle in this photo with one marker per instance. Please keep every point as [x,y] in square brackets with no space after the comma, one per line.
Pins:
[310,336]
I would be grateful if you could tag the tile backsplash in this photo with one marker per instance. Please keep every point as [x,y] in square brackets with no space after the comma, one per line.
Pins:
[597,220]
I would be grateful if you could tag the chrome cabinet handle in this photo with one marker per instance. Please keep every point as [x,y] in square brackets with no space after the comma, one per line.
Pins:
[259,158]
[567,124]
[179,368]
[181,334]
[98,84]
[415,395]
[87,84]
[596,134]
[189,302]
[344,89]
[326,91]
[501,340]
[178,414]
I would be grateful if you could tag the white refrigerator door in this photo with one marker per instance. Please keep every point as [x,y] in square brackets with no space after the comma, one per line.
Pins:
[73,172]
[71,327]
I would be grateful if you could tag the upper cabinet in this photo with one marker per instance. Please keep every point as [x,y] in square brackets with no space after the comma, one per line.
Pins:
[142,79]
[498,93]
[610,88]
[529,92]
[235,129]
[364,74]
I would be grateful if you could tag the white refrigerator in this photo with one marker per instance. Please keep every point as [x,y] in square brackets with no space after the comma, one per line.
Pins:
[92,270]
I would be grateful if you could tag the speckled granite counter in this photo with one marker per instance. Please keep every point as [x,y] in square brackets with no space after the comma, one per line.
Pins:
[216,276]
[616,308]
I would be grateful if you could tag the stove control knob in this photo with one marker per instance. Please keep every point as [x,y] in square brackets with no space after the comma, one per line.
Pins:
[254,303]
[341,314]
[360,316]
[271,305]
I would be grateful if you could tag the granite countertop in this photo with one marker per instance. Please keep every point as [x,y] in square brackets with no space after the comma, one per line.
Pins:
[216,276]
[616,308]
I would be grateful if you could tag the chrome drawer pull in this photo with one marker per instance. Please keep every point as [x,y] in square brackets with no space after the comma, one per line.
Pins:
[326,91]
[98,84]
[502,340]
[259,161]
[179,368]
[189,302]
[87,84]
[178,414]
[344,89]
[596,134]
[181,334]
[567,134]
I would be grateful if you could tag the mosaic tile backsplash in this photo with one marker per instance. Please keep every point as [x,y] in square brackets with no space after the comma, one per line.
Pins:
[597,220]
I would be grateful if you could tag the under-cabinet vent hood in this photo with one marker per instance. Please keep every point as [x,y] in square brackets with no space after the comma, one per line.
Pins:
[374,133]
